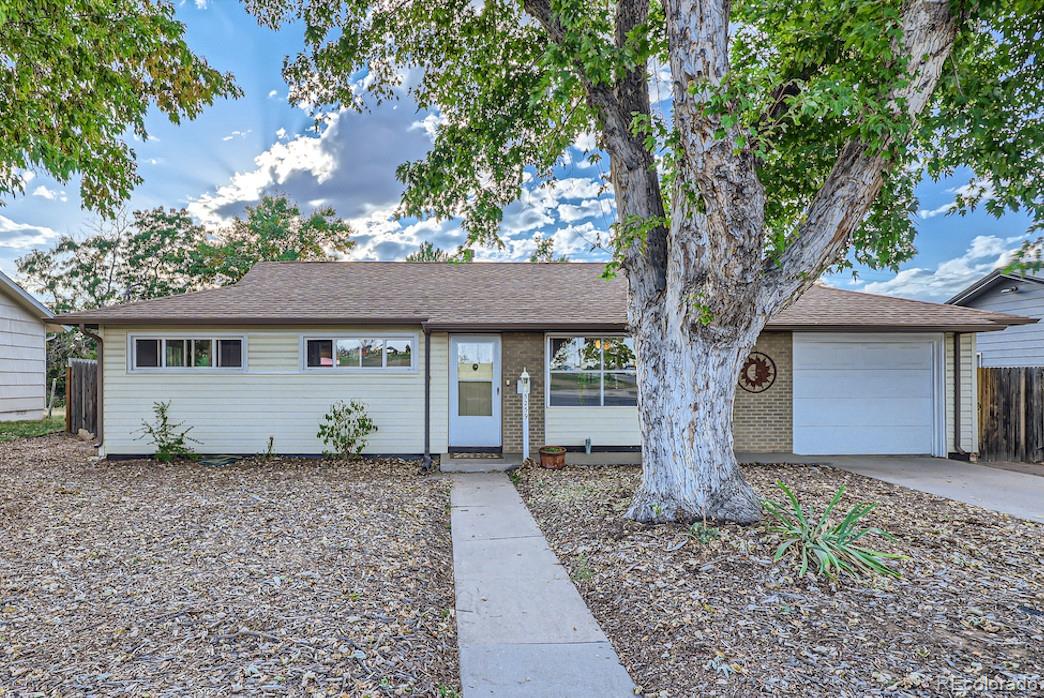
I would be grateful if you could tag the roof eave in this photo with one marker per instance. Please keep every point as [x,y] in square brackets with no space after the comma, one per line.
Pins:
[985,283]
[25,299]
[237,321]
[896,328]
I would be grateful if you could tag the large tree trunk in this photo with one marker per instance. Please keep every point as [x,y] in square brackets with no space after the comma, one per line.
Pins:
[687,379]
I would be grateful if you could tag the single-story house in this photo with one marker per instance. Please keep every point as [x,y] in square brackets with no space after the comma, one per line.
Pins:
[434,352]
[23,353]
[1008,292]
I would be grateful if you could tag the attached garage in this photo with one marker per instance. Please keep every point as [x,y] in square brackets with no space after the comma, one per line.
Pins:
[869,393]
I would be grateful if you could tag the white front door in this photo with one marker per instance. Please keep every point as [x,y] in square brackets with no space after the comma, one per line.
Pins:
[474,391]
[868,393]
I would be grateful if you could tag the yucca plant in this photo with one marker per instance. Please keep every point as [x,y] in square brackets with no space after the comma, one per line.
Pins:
[832,548]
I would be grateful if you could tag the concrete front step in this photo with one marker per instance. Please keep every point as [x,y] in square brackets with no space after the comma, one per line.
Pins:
[509,461]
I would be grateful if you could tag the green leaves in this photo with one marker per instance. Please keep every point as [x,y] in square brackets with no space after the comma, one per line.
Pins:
[805,78]
[77,77]
[832,549]
[345,429]
[162,252]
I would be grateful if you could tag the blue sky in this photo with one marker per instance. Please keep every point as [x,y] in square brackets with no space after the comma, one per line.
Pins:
[237,150]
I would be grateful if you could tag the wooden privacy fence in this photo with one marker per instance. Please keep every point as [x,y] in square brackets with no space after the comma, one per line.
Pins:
[1011,414]
[81,396]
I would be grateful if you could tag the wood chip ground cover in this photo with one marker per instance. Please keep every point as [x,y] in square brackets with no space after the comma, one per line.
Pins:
[276,577]
[719,618]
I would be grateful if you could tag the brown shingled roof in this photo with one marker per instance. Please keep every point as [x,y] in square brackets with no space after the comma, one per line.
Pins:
[490,295]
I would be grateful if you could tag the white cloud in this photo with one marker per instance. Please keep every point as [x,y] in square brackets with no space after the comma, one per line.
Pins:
[201,4]
[237,134]
[23,236]
[976,191]
[588,208]
[350,165]
[272,94]
[585,142]
[428,124]
[50,194]
[984,254]
[274,166]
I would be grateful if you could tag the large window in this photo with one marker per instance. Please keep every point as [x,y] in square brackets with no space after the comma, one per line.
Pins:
[359,352]
[591,372]
[187,352]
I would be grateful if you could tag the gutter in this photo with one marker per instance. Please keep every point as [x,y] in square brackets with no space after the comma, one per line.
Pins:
[99,398]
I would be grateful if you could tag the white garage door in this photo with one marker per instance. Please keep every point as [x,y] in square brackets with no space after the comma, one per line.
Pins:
[864,394]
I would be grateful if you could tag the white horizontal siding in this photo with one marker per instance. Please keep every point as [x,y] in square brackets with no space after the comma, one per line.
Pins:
[23,362]
[1020,345]
[605,426]
[237,412]
[969,394]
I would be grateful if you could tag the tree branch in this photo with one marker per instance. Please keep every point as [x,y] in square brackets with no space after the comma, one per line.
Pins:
[635,180]
[929,31]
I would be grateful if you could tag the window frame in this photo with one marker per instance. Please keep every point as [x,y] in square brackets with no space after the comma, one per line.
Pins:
[384,337]
[162,337]
[601,371]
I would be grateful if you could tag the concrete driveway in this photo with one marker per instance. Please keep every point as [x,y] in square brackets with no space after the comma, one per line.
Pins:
[1018,494]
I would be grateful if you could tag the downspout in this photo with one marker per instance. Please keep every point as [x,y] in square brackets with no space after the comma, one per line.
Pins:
[99,398]
[958,452]
[427,400]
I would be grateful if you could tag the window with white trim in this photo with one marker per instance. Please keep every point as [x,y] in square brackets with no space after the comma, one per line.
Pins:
[591,372]
[349,353]
[187,352]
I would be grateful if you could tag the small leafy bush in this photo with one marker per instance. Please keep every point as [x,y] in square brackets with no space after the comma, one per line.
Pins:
[170,440]
[344,429]
[832,548]
[700,532]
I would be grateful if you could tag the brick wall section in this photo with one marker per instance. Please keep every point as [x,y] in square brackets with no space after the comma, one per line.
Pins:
[764,421]
[518,350]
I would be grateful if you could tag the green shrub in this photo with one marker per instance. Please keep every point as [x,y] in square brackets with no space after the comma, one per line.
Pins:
[700,532]
[170,440]
[344,429]
[832,548]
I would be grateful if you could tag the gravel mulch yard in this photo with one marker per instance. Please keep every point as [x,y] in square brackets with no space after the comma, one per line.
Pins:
[282,576]
[719,618]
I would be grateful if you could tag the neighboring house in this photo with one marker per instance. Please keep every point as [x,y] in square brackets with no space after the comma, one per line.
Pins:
[434,351]
[23,353]
[1000,292]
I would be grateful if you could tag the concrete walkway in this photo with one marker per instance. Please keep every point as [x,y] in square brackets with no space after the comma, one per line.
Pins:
[522,627]
[1018,494]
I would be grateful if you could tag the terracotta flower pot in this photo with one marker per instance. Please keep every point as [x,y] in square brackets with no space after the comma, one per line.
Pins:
[552,457]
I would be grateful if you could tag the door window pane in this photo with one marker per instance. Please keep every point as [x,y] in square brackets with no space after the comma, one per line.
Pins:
[475,361]
[146,353]
[372,350]
[349,352]
[621,390]
[201,353]
[398,353]
[475,398]
[579,389]
[230,353]
[176,355]
[320,353]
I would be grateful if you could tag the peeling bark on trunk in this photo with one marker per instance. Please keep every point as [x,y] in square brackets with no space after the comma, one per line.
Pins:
[687,384]
[701,288]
